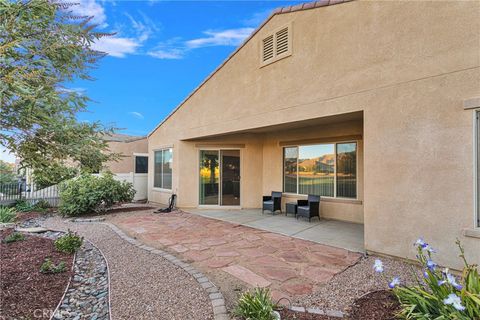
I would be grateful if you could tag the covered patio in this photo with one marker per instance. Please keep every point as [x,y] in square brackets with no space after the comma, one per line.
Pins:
[340,234]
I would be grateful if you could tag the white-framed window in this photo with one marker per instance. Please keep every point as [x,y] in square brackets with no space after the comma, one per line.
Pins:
[162,177]
[276,45]
[328,170]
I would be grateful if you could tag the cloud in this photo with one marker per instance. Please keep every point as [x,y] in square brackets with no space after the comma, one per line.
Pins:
[137,115]
[117,46]
[78,91]
[172,54]
[229,37]
[144,28]
[91,8]
[257,18]
[177,48]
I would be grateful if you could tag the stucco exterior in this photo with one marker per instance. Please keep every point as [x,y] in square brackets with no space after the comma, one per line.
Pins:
[390,75]
[127,149]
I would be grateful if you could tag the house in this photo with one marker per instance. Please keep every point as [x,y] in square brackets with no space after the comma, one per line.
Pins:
[133,163]
[385,91]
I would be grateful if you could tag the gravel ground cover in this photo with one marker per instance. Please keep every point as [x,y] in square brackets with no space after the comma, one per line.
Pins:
[25,292]
[341,291]
[143,285]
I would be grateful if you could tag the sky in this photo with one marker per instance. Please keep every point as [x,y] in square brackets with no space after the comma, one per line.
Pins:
[160,52]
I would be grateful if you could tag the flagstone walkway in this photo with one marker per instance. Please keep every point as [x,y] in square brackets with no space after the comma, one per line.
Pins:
[290,267]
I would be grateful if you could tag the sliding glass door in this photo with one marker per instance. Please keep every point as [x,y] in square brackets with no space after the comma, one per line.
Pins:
[219,177]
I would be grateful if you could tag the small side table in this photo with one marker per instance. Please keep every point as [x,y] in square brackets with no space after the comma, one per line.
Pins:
[291,207]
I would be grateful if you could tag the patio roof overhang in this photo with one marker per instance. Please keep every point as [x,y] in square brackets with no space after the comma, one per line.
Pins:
[204,133]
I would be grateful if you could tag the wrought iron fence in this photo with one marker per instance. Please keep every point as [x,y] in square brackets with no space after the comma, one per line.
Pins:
[10,193]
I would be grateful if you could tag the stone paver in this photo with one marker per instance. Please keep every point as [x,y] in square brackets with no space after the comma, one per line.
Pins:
[290,267]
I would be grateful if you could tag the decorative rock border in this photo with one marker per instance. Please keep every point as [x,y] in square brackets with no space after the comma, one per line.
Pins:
[88,293]
[330,313]
[215,296]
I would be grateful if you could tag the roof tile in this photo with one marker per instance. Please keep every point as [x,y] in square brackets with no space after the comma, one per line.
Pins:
[322,3]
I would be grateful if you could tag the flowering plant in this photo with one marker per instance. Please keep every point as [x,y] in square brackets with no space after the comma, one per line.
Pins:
[439,295]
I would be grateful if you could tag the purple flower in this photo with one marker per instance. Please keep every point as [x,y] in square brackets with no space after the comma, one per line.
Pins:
[378,266]
[431,265]
[420,243]
[455,301]
[395,282]
[451,280]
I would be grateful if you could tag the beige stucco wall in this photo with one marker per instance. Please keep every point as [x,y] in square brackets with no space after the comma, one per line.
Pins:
[126,163]
[407,65]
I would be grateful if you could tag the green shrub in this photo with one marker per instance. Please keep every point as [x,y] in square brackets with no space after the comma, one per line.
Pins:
[69,243]
[49,267]
[13,237]
[440,294]
[256,305]
[24,206]
[7,214]
[89,193]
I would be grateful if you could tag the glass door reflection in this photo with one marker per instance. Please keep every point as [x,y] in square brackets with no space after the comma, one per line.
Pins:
[230,176]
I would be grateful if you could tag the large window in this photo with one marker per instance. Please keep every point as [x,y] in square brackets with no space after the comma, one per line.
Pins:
[163,169]
[328,170]
[477,114]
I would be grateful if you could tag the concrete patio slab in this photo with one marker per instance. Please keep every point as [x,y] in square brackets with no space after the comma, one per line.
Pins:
[339,234]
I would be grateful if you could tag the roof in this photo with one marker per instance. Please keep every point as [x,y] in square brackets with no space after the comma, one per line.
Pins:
[281,10]
[118,137]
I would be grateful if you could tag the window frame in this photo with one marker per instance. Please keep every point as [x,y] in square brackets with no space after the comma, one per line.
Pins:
[334,170]
[161,188]
[135,156]
[276,57]
[476,164]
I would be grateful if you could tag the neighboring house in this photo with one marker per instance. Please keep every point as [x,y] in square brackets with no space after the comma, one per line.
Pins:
[387,89]
[133,163]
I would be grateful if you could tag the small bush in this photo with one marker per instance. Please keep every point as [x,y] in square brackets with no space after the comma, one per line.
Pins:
[13,237]
[256,305]
[69,243]
[89,193]
[49,267]
[7,215]
[24,206]
[440,294]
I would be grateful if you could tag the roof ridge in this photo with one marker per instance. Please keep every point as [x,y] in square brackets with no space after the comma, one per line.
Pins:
[280,10]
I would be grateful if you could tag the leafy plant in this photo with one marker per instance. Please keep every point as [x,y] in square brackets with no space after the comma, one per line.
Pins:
[13,237]
[256,305]
[49,267]
[440,294]
[89,193]
[7,214]
[69,242]
[24,206]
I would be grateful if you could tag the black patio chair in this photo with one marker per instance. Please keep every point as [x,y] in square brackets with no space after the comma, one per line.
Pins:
[272,203]
[309,208]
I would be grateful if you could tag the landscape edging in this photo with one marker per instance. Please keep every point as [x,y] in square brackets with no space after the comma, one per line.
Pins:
[216,297]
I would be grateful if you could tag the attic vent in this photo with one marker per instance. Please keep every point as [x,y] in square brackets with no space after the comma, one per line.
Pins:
[268,48]
[282,41]
[276,45]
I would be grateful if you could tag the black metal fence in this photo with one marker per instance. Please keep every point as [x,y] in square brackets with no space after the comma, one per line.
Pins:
[10,193]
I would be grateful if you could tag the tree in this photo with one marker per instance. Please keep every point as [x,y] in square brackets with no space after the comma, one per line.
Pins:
[42,48]
[7,173]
